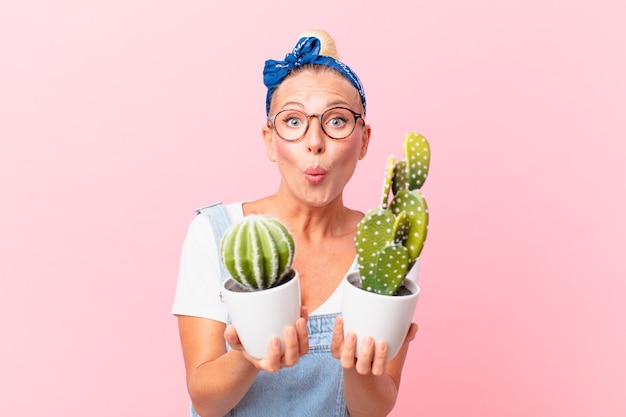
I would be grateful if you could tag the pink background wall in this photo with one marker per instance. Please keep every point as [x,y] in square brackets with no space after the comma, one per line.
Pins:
[116,123]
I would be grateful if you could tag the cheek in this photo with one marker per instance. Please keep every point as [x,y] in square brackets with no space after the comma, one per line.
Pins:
[352,151]
[280,148]
[347,159]
[284,151]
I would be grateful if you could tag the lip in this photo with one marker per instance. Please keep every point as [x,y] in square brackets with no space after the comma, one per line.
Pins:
[315,175]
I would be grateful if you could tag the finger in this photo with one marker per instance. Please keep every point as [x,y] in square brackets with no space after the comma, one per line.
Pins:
[412,332]
[337,339]
[303,336]
[271,363]
[348,351]
[292,351]
[304,313]
[232,338]
[366,356]
[379,365]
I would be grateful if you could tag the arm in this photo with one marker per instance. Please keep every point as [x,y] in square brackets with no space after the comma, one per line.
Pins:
[370,383]
[218,379]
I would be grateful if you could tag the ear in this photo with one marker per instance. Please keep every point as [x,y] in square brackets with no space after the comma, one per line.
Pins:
[268,138]
[365,141]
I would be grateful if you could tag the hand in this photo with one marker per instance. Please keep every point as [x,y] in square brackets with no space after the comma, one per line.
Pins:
[296,344]
[372,356]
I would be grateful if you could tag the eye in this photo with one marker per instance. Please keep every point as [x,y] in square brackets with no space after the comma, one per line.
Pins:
[335,118]
[337,122]
[291,119]
[293,122]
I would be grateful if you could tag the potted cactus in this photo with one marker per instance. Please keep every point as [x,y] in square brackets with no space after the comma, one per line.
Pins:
[258,252]
[379,299]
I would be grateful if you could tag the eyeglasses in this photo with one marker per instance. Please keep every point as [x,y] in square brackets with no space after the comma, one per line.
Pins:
[337,123]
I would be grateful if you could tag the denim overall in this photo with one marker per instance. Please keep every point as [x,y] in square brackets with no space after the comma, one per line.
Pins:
[312,388]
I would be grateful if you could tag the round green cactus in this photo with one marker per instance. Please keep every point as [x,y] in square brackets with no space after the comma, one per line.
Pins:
[258,251]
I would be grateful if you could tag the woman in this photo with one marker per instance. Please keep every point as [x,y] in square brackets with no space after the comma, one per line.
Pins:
[316,133]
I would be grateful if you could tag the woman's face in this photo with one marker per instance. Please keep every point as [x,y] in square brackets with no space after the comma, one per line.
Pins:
[316,168]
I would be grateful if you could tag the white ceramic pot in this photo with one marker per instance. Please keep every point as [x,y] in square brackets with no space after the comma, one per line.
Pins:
[383,317]
[259,316]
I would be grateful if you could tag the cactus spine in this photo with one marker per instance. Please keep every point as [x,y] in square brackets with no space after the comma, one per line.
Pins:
[258,251]
[390,237]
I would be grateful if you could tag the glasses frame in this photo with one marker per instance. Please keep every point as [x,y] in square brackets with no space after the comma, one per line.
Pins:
[319,117]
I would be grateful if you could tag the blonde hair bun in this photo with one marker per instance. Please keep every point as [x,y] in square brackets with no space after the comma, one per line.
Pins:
[328,47]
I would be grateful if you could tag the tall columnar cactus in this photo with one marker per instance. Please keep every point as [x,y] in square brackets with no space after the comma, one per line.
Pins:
[258,251]
[390,237]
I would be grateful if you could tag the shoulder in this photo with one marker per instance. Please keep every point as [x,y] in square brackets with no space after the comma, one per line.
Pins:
[353,217]
[233,211]
[356,214]
[211,221]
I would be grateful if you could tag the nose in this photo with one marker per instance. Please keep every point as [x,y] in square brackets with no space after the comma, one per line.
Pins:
[315,136]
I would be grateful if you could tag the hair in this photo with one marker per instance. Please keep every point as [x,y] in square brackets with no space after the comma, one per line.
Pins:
[327,48]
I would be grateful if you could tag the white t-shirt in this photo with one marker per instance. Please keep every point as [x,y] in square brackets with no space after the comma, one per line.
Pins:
[198,288]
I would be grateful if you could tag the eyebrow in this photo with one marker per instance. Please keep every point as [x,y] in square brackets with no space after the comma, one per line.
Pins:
[293,103]
[330,105]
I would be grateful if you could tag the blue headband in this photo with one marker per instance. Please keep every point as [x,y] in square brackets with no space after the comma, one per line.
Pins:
[305,52]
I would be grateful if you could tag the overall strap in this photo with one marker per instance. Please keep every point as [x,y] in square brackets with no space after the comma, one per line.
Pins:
[220,220]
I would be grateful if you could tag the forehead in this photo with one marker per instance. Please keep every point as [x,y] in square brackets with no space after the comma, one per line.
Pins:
[312,88]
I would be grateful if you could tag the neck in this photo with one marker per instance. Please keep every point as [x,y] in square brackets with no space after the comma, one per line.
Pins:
[304,219]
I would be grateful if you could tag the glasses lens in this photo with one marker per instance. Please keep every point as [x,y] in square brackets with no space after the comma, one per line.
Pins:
[290,124]
[338,123]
